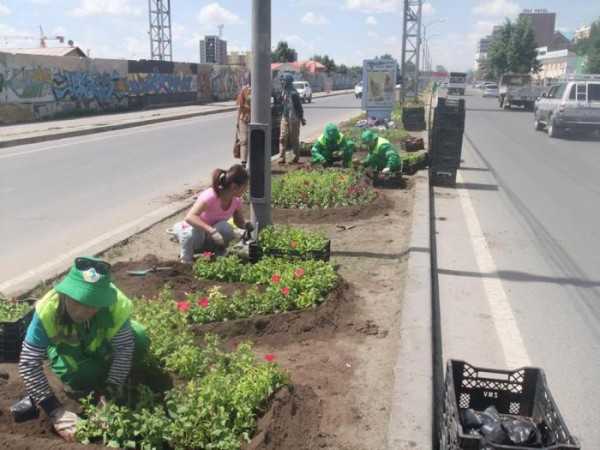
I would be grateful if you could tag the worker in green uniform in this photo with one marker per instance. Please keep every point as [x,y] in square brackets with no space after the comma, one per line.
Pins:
[84,327]
[382,157]
[332,146]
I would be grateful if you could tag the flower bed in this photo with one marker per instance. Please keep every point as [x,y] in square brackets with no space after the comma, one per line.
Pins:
[290,242]
[11,311]
[279,285]
[214,404]
[323,188]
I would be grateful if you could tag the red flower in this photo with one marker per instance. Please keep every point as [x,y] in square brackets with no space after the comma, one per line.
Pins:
[208,255]
[293,244]
[285,291]
[270,357]
[276,278]
[183,306]
[299,272]
[203,302]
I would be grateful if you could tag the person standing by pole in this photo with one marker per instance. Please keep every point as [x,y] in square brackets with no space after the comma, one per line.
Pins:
[292,117]
[244,98]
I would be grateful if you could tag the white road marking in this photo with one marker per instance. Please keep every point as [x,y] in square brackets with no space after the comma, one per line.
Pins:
[12,152]
[511,341]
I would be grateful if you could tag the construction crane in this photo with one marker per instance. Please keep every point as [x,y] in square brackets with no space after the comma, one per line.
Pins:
[42,39]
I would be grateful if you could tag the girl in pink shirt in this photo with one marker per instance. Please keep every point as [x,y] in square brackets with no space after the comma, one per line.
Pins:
[205,225]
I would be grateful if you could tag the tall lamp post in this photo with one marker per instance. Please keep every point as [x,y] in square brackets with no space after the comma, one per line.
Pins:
[425,28]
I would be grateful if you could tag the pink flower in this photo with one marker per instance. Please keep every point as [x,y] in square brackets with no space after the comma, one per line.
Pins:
[276,278]
[208,255]
[183,306]
[299,272]
[203,302]
[285,291]
[270,357]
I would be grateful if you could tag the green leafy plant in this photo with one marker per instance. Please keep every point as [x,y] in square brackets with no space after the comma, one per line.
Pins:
[279,285]
[13,310]
[292,240]
[322,188]
[214,406]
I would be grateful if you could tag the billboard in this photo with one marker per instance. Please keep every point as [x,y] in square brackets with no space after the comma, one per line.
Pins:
[379,83]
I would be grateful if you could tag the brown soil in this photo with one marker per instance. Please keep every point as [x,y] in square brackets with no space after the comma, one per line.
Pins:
[339,356]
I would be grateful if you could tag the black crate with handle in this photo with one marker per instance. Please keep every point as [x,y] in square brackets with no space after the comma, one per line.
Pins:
[12,334]
[522,392]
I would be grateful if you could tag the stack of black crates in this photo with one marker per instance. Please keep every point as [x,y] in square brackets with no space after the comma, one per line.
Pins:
[413,118]
[445,141]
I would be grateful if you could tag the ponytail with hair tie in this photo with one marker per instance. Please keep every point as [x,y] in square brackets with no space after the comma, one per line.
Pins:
[222,179]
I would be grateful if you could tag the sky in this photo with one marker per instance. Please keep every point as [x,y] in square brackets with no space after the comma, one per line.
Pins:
[347,30]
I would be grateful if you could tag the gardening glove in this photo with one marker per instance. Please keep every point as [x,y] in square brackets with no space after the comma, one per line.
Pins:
[64,423]
[217,238]
[386,171]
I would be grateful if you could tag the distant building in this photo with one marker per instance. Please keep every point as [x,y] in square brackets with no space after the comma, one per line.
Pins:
[213,50]
[559,42]
[556,64]
[583,33]
[239,59]
[544,25]
[47,51]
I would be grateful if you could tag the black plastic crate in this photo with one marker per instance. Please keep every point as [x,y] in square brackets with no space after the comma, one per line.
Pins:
[12,335]
[522,392]
[256,252]
[445,161]
[451,105]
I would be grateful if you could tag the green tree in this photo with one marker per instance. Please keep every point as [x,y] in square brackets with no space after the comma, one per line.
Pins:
[328,62]
[590,48]
[284,53]
[513,49]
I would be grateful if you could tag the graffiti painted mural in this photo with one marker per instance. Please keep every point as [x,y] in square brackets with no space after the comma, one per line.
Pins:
[161,83]
[90,89]
[24,84]
[227,81]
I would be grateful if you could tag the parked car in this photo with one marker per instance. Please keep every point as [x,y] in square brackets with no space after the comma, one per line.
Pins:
[572,106]
[305,91]
[490,90]
[358,90]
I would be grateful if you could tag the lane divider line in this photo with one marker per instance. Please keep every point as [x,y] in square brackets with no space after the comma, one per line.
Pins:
[510,338]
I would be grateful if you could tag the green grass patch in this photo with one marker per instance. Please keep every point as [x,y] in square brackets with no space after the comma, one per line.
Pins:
[283,238]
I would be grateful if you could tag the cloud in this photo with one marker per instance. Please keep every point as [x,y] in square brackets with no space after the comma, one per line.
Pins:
[214,14]
[4,10]
[105,8]
[374,6]
[497,8]
[371,21]
[310,18]
[428,9]
[373,35]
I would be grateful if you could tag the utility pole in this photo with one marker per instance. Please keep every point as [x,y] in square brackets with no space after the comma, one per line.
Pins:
[260,126]
[411,48]
[159,14]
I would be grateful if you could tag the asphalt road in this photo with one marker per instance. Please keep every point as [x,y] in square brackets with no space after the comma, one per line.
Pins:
[536,200]
[58,195]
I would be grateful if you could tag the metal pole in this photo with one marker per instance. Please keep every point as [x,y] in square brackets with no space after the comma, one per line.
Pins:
[418,49]
[261,102]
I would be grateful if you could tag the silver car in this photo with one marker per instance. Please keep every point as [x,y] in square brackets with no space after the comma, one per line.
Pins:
[572,106]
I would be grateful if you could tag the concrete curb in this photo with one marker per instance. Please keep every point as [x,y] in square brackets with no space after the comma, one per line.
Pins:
[59,266]
[410,425]
[121,126]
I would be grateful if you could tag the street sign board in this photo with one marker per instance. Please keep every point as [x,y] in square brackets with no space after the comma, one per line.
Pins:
[379,83]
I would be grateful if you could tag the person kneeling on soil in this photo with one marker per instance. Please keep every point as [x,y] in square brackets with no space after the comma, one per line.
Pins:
[84,327]
[332,146]
[206,224]
[382,157]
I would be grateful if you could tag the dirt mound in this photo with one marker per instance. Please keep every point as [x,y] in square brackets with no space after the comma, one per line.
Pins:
[180,277]
[291,422]
[321,321]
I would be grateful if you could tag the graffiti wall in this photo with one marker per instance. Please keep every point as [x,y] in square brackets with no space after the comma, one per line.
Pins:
[41,87]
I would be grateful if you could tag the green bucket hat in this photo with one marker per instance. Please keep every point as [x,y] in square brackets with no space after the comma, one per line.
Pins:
[89,283]
[368,136]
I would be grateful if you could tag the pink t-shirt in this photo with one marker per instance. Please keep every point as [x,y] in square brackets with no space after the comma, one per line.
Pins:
[213,213]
